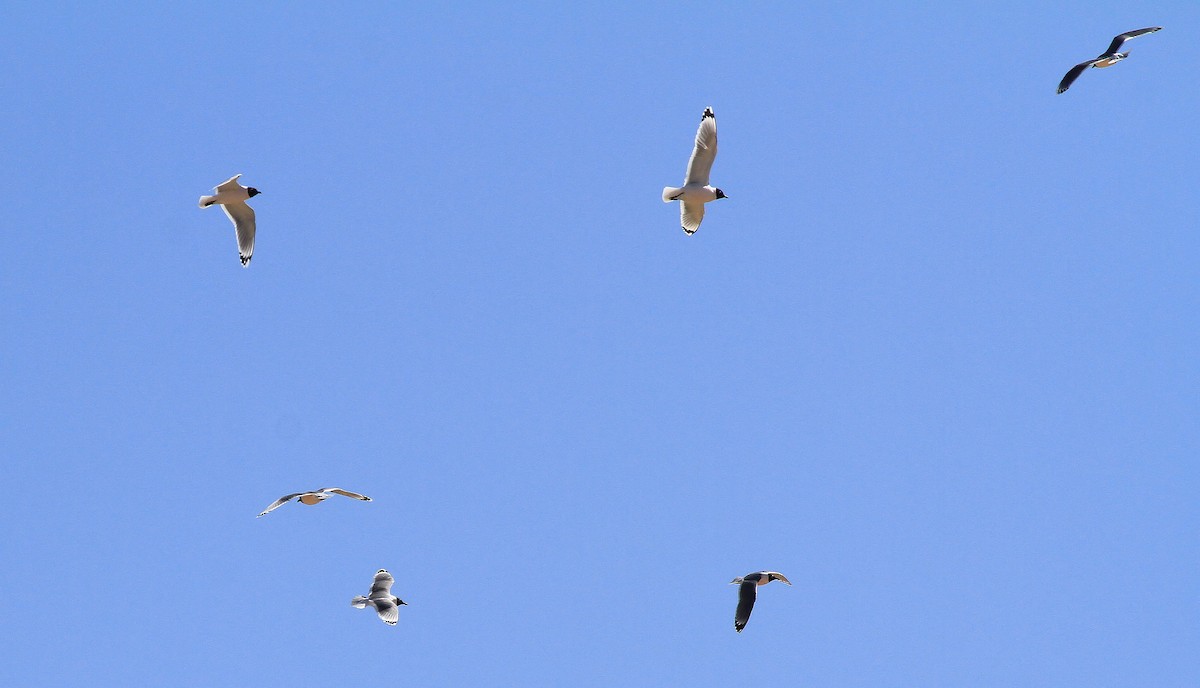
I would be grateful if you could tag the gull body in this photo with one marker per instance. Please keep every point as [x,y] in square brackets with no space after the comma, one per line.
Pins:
[380,597]
[696,190]
[232,197]
[314,497]
[1109,58]
[748,591]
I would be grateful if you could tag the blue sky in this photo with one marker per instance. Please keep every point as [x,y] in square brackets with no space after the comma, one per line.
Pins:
[934,359]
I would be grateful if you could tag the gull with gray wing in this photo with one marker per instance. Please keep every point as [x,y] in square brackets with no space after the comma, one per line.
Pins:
[380,597]
[1108,59]
[314,497]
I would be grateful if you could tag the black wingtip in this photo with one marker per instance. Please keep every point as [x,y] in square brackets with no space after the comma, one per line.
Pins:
[707,113]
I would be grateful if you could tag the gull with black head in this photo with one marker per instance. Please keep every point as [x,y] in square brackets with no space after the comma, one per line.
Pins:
[232,198]
[748,591]
[695,191]
[381,598]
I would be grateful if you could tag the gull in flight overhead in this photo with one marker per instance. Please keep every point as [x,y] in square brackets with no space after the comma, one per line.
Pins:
[232,198]
[381,598]
[314,497]
[1108,59]
[748,590]
[695,191]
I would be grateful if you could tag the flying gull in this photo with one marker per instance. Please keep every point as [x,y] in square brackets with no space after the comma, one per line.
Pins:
[313,497]
[695,191]
[748,590]
[381,598]
[232,198]
[1108,59]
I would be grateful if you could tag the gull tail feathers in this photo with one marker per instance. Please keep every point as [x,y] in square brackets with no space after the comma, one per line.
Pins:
[358,602]
[671,193]
[206,201]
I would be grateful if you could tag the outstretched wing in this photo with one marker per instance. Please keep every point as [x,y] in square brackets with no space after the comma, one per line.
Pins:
[1072,75]
[388,611]
[242,217]
[705,151]
[746,594]
[690,216]
[382,587]
[345,493]
[228,184]
[777,576]
[1118,41]
[279,502]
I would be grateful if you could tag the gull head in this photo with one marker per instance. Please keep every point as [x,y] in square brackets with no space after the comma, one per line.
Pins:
[399,601]
[721,194]
[252,192]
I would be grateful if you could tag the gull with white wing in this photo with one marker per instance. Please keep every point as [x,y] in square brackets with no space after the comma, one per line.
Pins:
[695,191]
[232,198]
[381,598]
[314,497]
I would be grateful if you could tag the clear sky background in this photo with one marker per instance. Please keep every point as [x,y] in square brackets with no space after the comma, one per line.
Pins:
[935,359]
